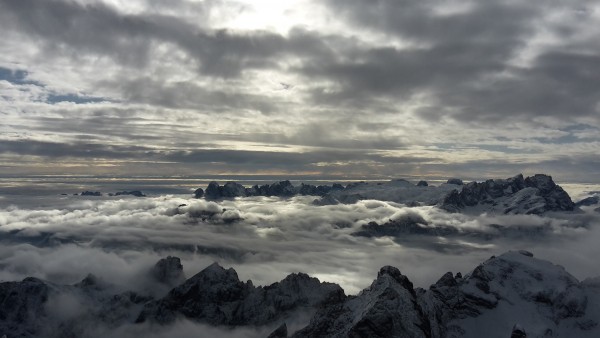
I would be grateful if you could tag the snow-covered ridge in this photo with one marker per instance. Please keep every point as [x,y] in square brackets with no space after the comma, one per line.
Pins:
[513,290]
[516,195]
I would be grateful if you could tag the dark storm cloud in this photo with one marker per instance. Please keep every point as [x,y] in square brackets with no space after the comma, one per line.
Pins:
[100,29]
[67,27]
[463,58]
[559,84]
[421,21]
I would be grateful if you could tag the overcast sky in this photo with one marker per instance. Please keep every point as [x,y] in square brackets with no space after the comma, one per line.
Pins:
[358,88]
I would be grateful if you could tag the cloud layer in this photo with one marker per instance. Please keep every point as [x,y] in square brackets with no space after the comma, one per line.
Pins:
[265,239]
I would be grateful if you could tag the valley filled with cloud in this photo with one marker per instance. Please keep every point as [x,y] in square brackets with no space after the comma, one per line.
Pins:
[266,238]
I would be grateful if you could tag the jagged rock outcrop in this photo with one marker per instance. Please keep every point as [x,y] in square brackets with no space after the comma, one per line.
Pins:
[199,193]
[22,305]
[280,332]
[400,191]
[230,190]
[505,290]
[515,195]
[588,201]
[216,296]
[455,181]
[37,308]
[317,190]
[388,308]
[135,193]
[168,271]
[213,191]
[90,193]
[409,223]
[514,287]
[280,189]
[518,332]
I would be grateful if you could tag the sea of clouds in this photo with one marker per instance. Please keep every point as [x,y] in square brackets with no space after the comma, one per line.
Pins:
[63,238]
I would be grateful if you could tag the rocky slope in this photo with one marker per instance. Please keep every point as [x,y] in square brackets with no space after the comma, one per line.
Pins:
[516,195]
[514,292]
[217,296]
[214,191]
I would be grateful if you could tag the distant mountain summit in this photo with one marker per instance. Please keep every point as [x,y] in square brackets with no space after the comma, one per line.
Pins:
[516,195]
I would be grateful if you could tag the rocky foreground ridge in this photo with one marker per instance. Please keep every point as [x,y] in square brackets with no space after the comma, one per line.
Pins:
[516,195]
[513,290]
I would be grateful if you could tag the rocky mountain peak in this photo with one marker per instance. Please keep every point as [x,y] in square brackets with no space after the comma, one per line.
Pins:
[168,271]
[515,195]
[514,287]
[396,275]
[215,273]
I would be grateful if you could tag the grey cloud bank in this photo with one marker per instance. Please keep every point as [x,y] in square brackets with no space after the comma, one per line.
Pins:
[313,88]
[265,238]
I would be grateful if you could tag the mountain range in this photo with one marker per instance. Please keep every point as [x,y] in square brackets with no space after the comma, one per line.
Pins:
[512,290]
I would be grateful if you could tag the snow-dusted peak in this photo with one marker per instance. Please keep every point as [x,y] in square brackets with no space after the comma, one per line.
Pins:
[217,274]
[515,195]
[396,275]
[541,181]
[400,191]
[514,287]
[517,274]
[388,308]
[506,290]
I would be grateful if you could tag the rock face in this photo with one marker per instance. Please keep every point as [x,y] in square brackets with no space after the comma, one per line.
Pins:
[512,288]
[280,332]
[410,223]
[213,191]
[37,308]
[388,308]
[198,193]
[280,189]
[90,193]
[455,181]
[217,296]
[399,191]
[516,195]
[506,295]
[135,193]
[168,271]
[588,201]
[22,306]
[506,290]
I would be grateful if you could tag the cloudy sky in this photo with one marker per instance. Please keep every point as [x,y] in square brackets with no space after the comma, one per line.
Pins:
[336,88]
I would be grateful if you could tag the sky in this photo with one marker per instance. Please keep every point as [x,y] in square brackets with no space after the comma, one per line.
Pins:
[334,88]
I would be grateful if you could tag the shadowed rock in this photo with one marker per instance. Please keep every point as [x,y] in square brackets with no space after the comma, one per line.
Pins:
[168,271]
[515,195]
